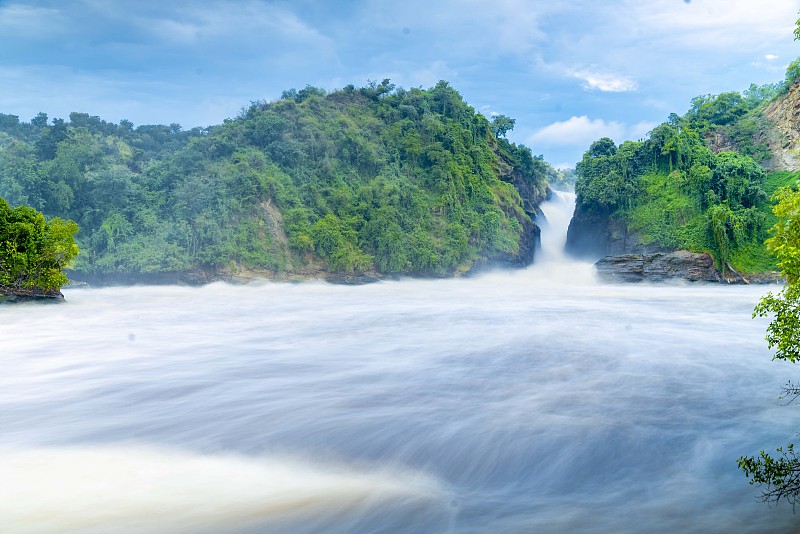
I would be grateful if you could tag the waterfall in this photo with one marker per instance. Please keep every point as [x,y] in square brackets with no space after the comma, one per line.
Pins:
[551,262]
[557,211]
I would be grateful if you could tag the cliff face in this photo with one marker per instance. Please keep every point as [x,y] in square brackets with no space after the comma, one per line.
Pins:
[588,235]
[592,236]
[532,195]
[784,141]
[676,186]
[718,142]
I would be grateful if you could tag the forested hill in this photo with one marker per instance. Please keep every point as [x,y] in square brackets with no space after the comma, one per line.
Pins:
[700,182]
[372,180]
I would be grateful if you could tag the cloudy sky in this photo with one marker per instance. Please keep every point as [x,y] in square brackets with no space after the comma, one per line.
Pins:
[569,72]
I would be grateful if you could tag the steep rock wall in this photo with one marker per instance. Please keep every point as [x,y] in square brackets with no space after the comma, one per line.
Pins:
[784,141]
[592,236]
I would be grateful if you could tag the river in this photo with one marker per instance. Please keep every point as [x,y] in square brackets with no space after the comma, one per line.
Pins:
[538,400]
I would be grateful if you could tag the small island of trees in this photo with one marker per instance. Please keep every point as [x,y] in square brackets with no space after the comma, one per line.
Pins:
[33,253]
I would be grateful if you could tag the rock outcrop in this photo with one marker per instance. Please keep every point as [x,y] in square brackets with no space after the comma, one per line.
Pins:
[529,243]
[784,140]
[678,265]
[592,236]
[8,294]
[532,195]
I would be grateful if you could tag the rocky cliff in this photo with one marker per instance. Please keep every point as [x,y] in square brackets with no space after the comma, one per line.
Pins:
[592,236]
[784,139]
[696,183]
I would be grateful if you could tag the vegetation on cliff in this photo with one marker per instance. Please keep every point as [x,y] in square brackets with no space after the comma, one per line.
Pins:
[780,474]
[371,179]
[34,251]
[682,189]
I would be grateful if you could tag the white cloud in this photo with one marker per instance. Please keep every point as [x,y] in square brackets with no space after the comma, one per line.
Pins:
[577,131]
[463,27]
[30,22]
[717,24]
[770,57]
[250,21]
[605,82]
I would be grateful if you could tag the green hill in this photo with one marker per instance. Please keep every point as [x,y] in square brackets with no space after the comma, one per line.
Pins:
[700,182]
[362,181]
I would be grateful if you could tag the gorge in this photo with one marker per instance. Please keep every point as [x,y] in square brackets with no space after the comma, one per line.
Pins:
[529,400]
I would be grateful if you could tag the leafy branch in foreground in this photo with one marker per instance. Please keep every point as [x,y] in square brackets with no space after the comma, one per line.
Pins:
[783,332]
[781,474]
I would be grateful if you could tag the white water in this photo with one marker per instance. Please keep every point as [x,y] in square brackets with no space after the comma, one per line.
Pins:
[553,266]
[526,401]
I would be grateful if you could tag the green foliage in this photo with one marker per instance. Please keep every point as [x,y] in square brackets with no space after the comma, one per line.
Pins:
[501,125]
[746,131]
[785,240]
[792,74]
[737,179]
[665,215]
[781,474]
[360,179]
[605,181]
[720,109]
[675,193]
[783,332]
[756,95]
[797,30]
[34,251]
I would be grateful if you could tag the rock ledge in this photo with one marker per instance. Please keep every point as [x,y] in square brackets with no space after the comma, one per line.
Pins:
[677,265]
[8,294]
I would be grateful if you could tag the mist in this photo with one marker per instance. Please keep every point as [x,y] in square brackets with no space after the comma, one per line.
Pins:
[538,400]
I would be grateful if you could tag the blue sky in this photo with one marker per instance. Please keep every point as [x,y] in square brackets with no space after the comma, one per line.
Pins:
[568,72]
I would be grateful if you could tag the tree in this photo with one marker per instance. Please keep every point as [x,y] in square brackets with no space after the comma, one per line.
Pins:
[356,180]
[33,251]
[40,120]
[781,474]
[797,30]
[501,125]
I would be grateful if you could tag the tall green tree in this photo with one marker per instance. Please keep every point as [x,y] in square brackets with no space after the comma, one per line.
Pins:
[501,125]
